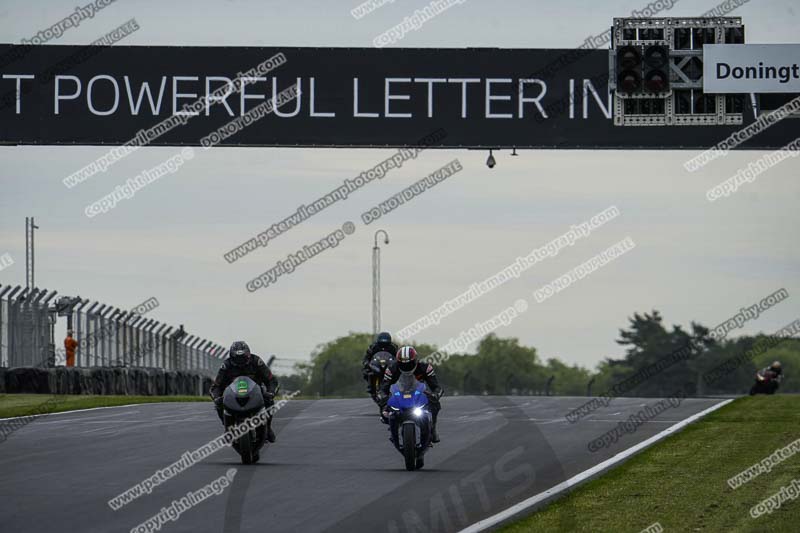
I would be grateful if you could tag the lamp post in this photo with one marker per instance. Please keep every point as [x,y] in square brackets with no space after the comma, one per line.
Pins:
[30,282]
[376,281]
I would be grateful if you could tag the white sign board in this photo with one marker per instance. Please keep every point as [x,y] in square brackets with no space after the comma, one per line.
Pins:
[751,68]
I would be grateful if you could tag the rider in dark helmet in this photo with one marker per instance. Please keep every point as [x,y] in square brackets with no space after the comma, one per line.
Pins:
[241,362]
[383,343]
[407,361]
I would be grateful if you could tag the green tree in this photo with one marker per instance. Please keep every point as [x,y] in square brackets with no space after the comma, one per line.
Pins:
[342,357]
[649,343]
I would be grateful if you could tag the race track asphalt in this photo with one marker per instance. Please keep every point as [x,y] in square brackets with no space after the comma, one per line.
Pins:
[332,468]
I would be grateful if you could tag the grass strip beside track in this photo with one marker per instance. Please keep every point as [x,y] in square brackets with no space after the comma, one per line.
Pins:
[26,404]
[681,482]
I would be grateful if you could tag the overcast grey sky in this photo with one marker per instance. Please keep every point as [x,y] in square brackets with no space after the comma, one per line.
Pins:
[694,260]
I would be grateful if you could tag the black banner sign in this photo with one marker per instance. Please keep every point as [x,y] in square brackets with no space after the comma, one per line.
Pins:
[327,97]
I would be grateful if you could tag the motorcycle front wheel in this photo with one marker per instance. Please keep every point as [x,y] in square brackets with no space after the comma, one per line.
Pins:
[247,448]
[410,446]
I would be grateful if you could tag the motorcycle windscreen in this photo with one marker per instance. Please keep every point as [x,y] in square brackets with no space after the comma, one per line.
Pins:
[408,392]
[243,395]
[380,361]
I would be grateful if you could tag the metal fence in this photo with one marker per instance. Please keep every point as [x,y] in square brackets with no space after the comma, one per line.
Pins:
[107,336]
[26,327]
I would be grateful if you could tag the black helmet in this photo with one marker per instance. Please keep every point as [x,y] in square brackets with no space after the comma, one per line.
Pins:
[239,353]
[383,338]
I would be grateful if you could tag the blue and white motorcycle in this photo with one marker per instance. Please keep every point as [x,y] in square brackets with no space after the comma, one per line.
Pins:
[410,420]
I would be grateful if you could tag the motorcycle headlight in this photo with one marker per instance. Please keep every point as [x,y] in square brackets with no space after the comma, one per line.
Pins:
[417,412]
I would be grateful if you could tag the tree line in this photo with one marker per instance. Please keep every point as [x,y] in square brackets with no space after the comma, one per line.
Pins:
[657,361]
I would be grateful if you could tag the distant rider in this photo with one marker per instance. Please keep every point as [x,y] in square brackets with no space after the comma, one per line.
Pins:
[406,361]
[241,362]
[776,368]
[383,343]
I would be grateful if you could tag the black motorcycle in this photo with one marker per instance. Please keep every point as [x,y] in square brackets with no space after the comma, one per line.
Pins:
[242,400]
[377,366]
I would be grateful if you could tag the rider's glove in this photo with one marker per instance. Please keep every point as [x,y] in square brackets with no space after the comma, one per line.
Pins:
[382,399]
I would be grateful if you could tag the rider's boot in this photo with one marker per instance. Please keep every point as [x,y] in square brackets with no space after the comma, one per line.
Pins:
[270,433]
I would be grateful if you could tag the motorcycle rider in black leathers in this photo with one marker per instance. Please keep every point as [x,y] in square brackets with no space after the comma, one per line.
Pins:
[383,343]
[241,362]
[406,361]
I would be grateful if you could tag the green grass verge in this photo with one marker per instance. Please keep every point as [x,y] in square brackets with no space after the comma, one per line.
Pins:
[681,482]
[31,404]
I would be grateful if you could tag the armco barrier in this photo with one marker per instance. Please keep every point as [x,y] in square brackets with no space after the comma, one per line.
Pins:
[103,381]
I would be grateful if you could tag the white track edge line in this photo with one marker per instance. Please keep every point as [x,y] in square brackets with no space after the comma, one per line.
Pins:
[90,409]
[578,478]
